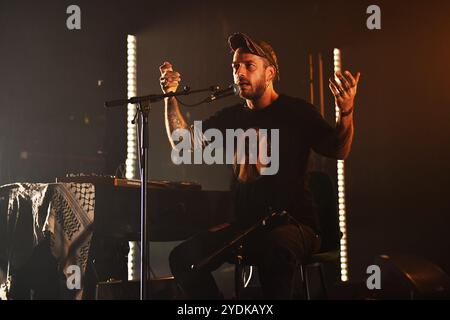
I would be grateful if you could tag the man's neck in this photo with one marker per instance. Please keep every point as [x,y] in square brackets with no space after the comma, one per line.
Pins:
[264,101]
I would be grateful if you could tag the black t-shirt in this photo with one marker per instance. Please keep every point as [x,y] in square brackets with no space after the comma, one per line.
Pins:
[301,128]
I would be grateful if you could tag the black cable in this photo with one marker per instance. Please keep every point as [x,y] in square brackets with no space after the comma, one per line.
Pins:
[191,105]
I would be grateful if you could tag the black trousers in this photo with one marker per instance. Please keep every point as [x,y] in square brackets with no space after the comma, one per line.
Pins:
[277,250]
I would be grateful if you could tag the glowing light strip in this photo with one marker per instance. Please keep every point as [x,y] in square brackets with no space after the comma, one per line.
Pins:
[133,261]
[341,190]
[130,163]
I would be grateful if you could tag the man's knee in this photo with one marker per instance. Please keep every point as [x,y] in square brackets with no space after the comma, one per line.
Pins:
[286,242]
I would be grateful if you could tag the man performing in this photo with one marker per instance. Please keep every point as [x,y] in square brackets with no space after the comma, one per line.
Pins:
[278,249]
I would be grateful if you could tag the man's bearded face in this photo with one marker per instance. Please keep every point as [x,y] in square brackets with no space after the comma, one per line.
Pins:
[249,72]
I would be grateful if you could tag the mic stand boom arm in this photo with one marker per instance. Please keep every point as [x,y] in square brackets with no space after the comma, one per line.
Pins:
[156,97]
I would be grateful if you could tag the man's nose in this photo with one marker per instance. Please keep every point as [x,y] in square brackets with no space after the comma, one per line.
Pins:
[241,77]
[239,72]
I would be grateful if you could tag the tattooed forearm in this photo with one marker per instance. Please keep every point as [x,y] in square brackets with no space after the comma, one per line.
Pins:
[173,117]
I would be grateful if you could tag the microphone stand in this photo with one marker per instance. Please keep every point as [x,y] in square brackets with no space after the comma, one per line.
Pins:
[237,240]
[143,112]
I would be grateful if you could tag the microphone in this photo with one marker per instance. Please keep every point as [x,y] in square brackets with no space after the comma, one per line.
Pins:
[219,94]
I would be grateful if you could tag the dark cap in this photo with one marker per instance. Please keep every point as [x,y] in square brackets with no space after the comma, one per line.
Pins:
[259,48]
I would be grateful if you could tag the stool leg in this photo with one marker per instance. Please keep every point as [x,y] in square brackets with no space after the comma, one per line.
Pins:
[238,277]
[304,272]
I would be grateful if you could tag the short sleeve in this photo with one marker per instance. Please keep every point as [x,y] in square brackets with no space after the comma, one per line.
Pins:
[319,129]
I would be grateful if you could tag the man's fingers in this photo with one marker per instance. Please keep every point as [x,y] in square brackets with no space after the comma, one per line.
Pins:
[333,89]
[353,80]
[170,74]
[337,85]
[171,77]
[170,80]
[166,66]
[350,78]
[167,75]
[345,84]
[358,75]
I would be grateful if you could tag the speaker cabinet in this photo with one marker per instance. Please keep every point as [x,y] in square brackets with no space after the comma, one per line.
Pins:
[410,277]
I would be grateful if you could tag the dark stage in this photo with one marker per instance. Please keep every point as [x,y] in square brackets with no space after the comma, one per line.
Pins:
[359,161]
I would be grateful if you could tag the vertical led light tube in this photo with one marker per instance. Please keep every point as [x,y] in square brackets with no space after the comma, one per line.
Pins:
[130,163]
[341,189]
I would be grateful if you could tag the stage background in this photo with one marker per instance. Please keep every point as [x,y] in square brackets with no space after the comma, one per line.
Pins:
[53,122]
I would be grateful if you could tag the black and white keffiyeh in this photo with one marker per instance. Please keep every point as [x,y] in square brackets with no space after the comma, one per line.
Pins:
[62,211]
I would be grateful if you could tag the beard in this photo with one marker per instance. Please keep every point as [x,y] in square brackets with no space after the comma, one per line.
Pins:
[253,91]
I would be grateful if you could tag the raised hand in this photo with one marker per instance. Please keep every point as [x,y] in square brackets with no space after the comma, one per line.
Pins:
[344,87]
[169,80]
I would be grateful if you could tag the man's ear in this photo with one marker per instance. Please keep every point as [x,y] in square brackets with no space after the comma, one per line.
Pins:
[272,72]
